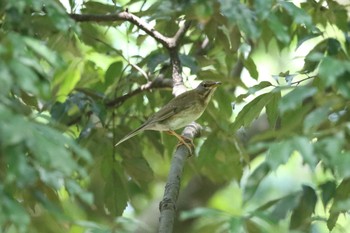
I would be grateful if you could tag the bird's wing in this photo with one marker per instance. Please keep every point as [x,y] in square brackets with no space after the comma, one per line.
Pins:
[164,113]
[171,108]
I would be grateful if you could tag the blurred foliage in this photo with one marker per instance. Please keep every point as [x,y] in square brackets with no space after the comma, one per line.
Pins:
[59,169]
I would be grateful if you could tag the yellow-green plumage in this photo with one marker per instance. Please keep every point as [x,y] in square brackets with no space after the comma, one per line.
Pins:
[180,111]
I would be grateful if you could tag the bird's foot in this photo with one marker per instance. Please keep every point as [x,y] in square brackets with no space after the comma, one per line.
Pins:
[188,142]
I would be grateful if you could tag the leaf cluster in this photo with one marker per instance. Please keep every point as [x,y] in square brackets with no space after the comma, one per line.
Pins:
[69,91]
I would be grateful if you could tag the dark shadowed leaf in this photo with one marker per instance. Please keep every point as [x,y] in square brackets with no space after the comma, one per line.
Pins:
[301,216]
[327,192]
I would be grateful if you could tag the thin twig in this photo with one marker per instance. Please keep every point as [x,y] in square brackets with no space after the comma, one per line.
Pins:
[127,60]
[157,83]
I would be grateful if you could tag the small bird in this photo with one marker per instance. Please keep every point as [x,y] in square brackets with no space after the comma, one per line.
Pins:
[179,112]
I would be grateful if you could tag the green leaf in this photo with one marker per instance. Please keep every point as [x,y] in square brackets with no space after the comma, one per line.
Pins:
[278,154]
[251,67]
[113,73]
[226,32]
[334,47]
[295,98]
[241,15]
[331,68]
[343,84]
[263,8]
[327,192]
[341,163]
[285,205]
[301,216]
[13,212]
[115,193]
[139,169]
[298,14]
[254,180]
[342,196]
[43,51]
[315,118]
[272,109]
[313,58]
[328,147]
[76,190]
[26,77]
[280,30]
[66,80]
[189,62]
[306,149]
[251,111]
[252,90]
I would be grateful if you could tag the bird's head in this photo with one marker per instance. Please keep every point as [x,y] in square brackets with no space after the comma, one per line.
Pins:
[207,88]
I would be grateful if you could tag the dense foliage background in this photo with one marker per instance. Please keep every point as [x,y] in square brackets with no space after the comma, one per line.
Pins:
[274,155]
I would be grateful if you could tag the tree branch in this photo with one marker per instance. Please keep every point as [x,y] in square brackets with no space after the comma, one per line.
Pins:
[167,42]
[167,206]
[154,84]
[178,85]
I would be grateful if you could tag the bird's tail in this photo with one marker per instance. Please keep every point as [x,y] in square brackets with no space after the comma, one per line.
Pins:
[131,134]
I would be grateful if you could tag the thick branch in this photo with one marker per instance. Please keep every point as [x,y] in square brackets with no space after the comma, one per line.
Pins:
[178,85]
[167,42]
[167,206]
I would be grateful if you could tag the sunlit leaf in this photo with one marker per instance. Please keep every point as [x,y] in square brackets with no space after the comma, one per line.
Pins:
[279,153]
[251,111]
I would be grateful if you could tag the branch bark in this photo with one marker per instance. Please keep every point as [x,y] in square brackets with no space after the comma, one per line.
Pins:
[167,206]
[167,42]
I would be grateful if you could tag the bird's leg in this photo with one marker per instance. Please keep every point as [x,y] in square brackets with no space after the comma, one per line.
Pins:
[188,142]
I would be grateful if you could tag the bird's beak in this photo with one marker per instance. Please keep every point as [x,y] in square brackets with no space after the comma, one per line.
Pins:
[215,84]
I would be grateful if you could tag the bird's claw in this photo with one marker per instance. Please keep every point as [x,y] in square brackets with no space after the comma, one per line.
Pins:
[188,142]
